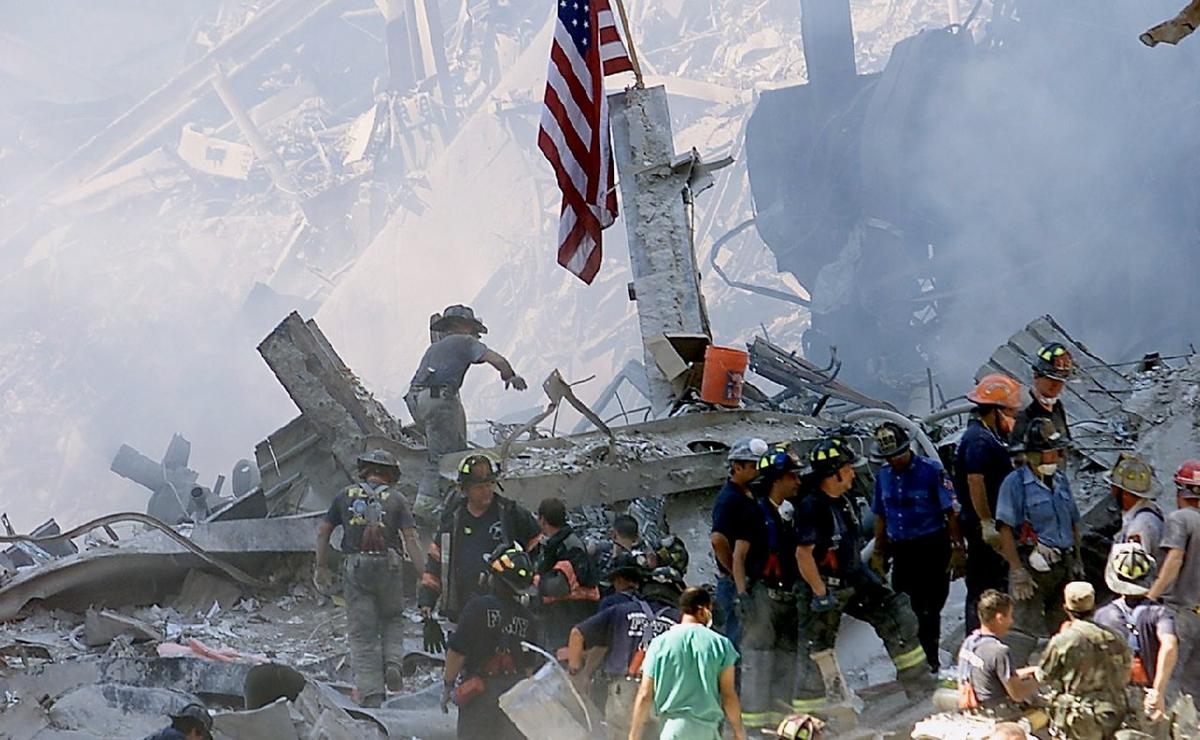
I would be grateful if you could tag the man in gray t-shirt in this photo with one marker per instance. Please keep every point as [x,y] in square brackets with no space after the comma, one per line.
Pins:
[433,398]
[988,682]
[1178,582]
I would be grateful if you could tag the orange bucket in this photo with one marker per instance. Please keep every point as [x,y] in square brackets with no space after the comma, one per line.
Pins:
[724,371]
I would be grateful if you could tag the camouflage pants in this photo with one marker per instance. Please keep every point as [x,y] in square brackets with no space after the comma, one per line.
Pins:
[444,424]
[375,612]
[1084,718]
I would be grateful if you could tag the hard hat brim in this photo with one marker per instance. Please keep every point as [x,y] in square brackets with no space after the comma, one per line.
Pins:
[1155,486]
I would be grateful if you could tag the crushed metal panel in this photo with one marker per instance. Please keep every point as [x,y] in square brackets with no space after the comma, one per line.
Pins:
[214,156]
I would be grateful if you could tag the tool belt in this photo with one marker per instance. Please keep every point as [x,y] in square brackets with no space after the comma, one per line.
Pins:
[434,391]
[780,594]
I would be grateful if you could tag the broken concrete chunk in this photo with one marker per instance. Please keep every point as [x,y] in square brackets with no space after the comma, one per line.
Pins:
[272,722]
[24,721]
[200,590]
[99,628]
[109,711]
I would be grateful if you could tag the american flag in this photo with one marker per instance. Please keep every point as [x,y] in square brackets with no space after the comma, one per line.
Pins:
[574,132]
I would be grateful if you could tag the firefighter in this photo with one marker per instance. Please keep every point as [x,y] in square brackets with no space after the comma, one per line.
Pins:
[1052,368]
[767,610]
[567,586]
[1039,535]
[373,518]
[471,528]
[835,581]
[733,507]
[1086,668]
[484,658]
[1178,581]
[1148,628]
[916,524]
[433,394]
[982,462]
[623,630]
[624,543]
[1134,488]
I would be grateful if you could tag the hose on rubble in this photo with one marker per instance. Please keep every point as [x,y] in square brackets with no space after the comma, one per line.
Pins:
[913,428]
[233,572]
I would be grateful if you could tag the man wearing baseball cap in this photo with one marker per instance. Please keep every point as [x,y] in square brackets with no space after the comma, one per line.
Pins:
[1178,582]
[733,510]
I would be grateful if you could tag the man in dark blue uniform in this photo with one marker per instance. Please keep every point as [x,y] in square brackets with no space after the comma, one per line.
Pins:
[733,508]
[916,524]
[982,462]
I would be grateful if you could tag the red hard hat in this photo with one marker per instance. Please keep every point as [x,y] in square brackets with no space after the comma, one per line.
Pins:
[1189,474]
[997,390]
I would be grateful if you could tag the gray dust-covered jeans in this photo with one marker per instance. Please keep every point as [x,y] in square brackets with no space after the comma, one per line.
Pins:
[444,423]
[375,615]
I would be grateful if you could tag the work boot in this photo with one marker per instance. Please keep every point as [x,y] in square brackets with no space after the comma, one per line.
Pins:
[393,678]
[836,689]
[918,683]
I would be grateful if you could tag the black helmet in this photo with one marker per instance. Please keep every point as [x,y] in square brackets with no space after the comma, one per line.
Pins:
[1040,436]
[1053,361]
[628,565]
[198,714]
[828,456]
[891,440]
[664,584]
[458,314]
[467,474]
[512,566]
[776,462]
[379,457]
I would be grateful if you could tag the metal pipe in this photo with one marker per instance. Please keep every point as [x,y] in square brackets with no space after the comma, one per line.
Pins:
[913,427]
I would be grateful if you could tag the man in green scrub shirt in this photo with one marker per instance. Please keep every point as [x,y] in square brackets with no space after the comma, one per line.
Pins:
[688,678]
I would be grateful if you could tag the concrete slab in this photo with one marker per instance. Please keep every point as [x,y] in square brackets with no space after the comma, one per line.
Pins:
[201,589]
[272,722]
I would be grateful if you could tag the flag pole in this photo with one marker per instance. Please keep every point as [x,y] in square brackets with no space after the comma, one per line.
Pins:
[633,57]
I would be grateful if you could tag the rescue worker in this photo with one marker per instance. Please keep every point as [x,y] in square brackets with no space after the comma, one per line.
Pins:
[373,518]
[916,524]
[688,678]
[624,543]
[734,507]
[1134,488]
[1052,368]
[988,682]
[1178,582]
[767,610]
[484,657]
[471,528]
[982,462]
[433,398]
[1148,628]
[566,582]
[624,630]
[1087,669]
[193,722]
[1039,534]
[835,581]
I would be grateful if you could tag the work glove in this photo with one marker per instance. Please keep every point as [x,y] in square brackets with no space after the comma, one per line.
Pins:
[1153,705]
[447,690]
[1022,584]
[825,603]
[989,533]
[1078,571]
[322,580]
[434,637]
[879,562]
[958,562]
[517,382]
[745,602]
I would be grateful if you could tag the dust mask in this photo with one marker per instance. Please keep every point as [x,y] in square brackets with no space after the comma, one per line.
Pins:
[1048,469]
[1047,401]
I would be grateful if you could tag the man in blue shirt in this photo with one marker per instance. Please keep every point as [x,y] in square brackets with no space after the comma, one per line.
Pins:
[1039,537]
[981,463]
[917,525]
[734,508]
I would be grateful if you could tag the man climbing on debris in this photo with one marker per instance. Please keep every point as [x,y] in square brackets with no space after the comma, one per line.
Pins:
[834,581]
[916,524]
[1178,582]
[1148,628]
[373,518]
[471,528]
[624,543]
[1087,668]
[433,394]
[688,678]
[733,508]
[988,682]
[1134,488]
[1052,368]
[982,462]
[193,722]
[566,582]
[624,631]
[767,607]
[1039,534]
[484,657]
